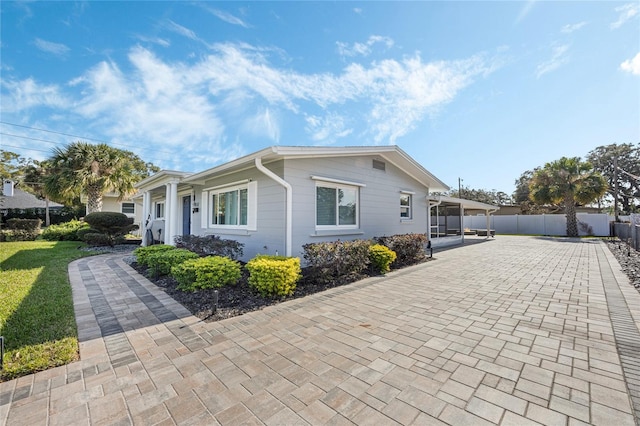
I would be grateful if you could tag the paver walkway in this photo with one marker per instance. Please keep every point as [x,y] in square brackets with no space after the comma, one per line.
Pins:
[517,330]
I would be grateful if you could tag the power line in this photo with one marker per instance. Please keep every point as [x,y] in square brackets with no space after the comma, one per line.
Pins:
[77,136]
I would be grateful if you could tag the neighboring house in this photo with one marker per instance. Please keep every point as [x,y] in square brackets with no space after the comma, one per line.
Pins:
[15,198]
[130,206]
[280,198]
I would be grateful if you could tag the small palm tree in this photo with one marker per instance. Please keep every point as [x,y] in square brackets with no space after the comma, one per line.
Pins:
[93,170]
[567,181]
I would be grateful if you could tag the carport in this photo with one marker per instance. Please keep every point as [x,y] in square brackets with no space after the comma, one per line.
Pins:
[446,219]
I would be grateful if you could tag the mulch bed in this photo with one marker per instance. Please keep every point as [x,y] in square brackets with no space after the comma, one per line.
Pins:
[236,299]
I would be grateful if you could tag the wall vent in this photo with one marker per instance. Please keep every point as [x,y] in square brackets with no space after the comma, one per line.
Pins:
[379,165]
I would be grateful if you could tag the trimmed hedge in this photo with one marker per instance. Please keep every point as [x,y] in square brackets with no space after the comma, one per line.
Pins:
[274,275]
[142,253]
[381,257]
[337,260]
[68,231]
[409,248]
[21,230]
[32,225]
[206,272]
[113,225]
[161,262]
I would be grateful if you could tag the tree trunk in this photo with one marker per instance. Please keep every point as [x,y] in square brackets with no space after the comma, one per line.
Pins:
[94,199]
[572,218]
[47,217]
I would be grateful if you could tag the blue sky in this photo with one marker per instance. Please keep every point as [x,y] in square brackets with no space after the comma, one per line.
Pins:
[475,90]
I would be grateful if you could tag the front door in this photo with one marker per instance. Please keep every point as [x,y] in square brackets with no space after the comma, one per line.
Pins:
[186,215]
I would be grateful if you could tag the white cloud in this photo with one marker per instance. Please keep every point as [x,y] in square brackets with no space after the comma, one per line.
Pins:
[558,59]
[526,9]
[191,108]
[57,49]
[155,40]
[19,96]
[179,29]
[227,17]
[626,12]
[632,65]
[569,28]
[363,49]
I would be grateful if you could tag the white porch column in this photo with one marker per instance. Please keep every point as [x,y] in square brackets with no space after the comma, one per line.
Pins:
[171,212]
[146,212]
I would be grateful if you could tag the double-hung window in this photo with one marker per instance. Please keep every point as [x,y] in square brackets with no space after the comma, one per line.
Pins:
[337,205]
[406,201]
[231,206]
[159,210]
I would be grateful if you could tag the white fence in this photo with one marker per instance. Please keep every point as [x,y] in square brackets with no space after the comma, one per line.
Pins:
[545,224]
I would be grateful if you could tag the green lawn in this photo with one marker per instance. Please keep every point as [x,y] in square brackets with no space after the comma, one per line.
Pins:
[36,306]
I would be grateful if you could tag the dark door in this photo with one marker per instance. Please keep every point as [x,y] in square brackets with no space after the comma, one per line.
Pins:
[186,215]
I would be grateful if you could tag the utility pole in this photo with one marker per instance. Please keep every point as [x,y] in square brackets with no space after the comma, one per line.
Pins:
[615,187]
[459,188]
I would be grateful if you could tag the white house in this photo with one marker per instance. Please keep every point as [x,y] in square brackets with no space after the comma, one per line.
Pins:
[280,198]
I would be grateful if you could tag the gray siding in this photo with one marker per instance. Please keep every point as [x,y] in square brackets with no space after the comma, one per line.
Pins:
[379,199]
[269,237]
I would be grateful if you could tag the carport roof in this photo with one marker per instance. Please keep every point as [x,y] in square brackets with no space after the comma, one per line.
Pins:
[466,204]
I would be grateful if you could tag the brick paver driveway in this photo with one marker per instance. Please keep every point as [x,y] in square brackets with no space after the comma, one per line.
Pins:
[516,330]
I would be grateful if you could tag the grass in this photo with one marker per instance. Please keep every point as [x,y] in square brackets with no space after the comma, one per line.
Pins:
[36,306]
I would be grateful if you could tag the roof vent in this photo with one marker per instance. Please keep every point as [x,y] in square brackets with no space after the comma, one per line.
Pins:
[379,165]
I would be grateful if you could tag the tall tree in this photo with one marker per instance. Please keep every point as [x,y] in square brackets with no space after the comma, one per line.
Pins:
[567,181]
[627,156]
[93,170]
[10,165]
[482,195]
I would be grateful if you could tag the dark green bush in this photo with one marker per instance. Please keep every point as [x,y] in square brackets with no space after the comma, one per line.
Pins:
[32,225]
[337,261]
[142,253]
[161,262]
[111,224]
[17,235]
[274,275]
[68,231]
[409,248]
[97,239]
[381,257]
[206,272]
[210,245]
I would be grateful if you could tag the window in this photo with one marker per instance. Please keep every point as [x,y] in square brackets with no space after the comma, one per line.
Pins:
[405,206]
[231,206]
[159,210]
[336,205]
[128,208]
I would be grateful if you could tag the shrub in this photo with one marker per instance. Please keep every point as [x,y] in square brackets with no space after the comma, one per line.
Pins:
[381,257]
[337,261]
[409,248]
[96,239]
[206,272]
[112,224]
[274,275]
[17,235]
[210,245]
[161,262]
[142,253]
[31,225]
[68,231]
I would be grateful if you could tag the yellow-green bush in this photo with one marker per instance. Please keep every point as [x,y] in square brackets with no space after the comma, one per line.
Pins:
[206,272]
[274,275]
[381,257]
[143,253]
[161,262]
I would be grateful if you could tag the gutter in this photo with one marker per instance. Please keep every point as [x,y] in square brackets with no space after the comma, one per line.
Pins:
[289,203]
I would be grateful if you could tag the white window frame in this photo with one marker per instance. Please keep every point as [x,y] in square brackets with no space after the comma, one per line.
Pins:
[409,208]
[159,205]
[252,200]
[128,203]
[337,184]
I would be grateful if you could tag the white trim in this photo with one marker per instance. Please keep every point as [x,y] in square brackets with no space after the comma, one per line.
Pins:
[402,191]
[237,183]
[340,181]
[252,201]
